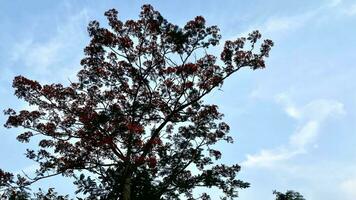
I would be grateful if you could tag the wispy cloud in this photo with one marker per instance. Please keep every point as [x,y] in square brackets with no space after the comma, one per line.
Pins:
[350,10]
[277,24]
[47,58]
[269,157]
[28,170]
[280,24]
[38,56]
[310,118]
[287,23]
[333,3]
[349,188]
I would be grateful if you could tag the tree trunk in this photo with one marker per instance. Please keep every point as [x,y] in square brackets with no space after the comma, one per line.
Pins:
[126,193]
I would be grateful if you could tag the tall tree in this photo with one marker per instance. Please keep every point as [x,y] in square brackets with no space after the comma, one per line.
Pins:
[135,121]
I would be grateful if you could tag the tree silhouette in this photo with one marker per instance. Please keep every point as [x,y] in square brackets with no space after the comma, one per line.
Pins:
[289,195]
[135,121]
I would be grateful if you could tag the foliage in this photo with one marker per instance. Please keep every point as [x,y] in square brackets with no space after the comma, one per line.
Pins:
[135,121]
[289,195]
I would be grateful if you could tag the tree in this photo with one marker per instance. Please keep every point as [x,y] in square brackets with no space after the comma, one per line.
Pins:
[135,121]
[289,195]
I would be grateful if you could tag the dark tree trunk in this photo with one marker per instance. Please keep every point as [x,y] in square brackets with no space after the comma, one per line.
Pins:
[126,192]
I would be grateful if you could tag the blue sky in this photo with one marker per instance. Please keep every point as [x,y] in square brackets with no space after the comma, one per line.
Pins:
[294,122]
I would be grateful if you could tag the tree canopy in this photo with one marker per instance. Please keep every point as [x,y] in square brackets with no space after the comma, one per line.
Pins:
[134,125]
[289,195]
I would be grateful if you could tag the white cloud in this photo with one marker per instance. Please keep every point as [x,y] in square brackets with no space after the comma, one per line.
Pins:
[307,134]
[310,119]
[268,157]
[21,49]
[289,106]
[350,10]
[280,24]
[50,57]
[334,3]
[286,23]
[349,188]
[323,108]
[41,56]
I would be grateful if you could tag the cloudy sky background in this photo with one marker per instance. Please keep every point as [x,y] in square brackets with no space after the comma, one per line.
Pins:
[294,122]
